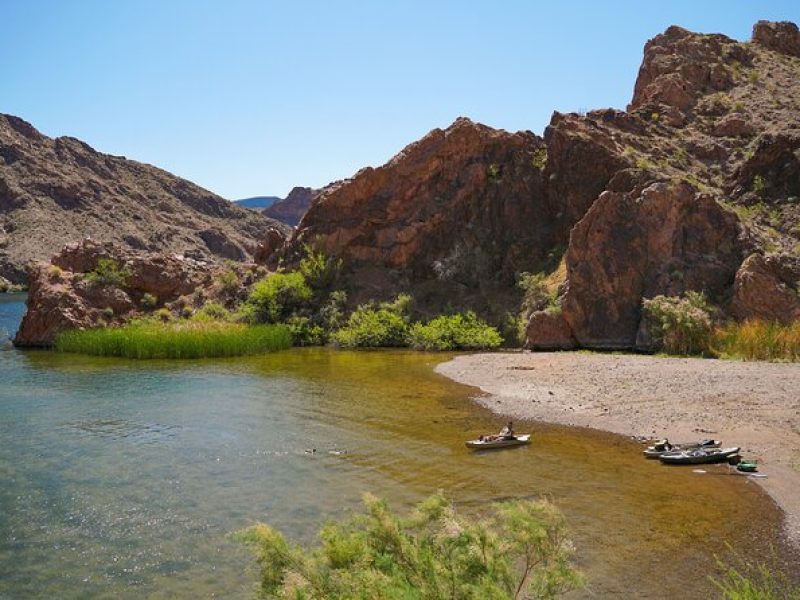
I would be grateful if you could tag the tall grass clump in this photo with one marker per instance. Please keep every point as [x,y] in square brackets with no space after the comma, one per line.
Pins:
[454,332]
[680,324]
[519,550]
[759,340]
[188,339]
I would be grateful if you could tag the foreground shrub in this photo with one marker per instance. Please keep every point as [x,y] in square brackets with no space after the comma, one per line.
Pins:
[680,325]
[454,332]
[276,297]
[109,272]
[759,340]
[371,327]
[753,581]
[193,339]
[519,551]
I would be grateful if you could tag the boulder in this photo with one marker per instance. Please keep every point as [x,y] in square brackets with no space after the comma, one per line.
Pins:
[767,288]
[273,242]
[548,331]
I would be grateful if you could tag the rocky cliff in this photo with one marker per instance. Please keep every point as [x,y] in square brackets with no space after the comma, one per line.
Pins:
[681,191]
[56,191]
[292,208]
[694,186]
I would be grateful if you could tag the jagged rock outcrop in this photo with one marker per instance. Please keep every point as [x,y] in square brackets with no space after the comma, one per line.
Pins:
[767,288]
[292,208]
[783,37]
[666,239]
[267,248]
[62,297]
[56,191]
[461,209]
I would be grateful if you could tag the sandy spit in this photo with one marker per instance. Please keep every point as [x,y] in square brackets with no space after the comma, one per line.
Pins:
[752,405]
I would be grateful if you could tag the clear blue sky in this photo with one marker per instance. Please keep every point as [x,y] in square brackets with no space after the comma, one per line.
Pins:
[253,97]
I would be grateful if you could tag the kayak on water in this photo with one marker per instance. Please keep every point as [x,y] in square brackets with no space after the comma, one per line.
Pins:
[485,444]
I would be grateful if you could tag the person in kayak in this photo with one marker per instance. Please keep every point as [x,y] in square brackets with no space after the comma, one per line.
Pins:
[507,432]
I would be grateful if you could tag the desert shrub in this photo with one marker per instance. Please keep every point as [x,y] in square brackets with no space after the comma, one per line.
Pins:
[276,297]
[305,332]
[54,273]
[109,272]
[454,332]
[520,550]
[228,280]
[372,327]
[163,314]
[331,314]
[318,269]
[192,339]
[148,301]
[4,285]
[493,172]
[539,159]
[108,313]
[746,580]
[759,340]
[759,185]
[212,311]
[680,325]
[536,293]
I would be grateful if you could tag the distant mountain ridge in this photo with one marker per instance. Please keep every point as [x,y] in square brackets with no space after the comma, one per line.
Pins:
[258,202]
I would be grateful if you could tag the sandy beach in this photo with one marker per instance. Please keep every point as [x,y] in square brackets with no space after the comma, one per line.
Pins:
[752,405]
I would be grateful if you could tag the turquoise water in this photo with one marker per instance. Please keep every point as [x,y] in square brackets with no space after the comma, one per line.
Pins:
[124,478]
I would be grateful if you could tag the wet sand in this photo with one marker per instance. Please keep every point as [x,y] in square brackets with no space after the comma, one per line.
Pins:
[749,404]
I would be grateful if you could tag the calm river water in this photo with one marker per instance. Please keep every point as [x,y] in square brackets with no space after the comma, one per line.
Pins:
[124,479]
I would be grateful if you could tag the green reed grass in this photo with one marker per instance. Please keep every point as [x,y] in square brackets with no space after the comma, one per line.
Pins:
[758,340]
[190,339]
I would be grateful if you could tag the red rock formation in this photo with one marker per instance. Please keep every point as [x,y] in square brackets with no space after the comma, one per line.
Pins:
[61,297]
[292,208]
[783,37]
[272,243]
[548,331]
[767,288]
[667,239]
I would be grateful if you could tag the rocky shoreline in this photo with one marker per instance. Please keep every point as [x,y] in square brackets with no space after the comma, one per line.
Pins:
[748,404]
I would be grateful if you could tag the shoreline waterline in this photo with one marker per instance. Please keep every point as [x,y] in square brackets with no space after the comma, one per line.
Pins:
[747,404]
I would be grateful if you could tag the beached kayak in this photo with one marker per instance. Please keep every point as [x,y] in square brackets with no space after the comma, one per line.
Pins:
[518,440]
[699,456]
[664,447]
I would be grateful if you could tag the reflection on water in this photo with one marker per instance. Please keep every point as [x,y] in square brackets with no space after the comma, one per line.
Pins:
[124,478]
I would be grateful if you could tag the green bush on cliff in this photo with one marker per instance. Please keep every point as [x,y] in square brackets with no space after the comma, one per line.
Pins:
[454,332]
[373,327]
[520,550]
[680,325]
[109,272]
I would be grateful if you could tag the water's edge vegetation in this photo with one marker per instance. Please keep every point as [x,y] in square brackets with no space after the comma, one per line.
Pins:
[190,339]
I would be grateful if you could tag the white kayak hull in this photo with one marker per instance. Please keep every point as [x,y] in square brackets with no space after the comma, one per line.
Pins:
[519,440]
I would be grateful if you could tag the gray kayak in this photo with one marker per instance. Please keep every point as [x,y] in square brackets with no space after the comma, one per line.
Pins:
[517,440]
[698,456]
